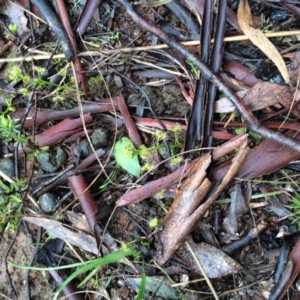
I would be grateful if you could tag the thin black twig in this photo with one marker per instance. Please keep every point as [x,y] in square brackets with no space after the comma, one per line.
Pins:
[215,63]
[197,118]
[12,289]
[51,18]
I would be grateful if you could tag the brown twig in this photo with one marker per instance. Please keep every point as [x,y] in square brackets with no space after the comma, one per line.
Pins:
[247,115]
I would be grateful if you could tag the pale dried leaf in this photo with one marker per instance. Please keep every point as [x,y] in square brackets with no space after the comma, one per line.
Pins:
[16,16]
[259,39]
[79,239]
[214,261]
[237,209]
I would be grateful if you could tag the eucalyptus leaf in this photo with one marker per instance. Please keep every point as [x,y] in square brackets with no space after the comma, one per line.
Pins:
[125,156]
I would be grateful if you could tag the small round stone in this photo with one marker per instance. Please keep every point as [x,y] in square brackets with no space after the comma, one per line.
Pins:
[7,166]
[51,160]
[100,138]
[47,202]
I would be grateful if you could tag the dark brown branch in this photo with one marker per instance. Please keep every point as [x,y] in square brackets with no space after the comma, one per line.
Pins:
[197,118]
[247,115]
[215,63]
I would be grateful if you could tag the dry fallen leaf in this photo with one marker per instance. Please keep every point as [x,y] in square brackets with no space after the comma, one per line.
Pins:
[259,39]
[215,262]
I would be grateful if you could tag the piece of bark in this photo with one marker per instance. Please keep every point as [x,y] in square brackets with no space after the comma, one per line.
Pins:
[266,158]
[87,202]
[130,125]
[58,132]
[186,210]
[79,74]
[186,202]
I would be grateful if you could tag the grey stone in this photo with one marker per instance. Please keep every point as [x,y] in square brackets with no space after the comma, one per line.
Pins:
[47,202]
[51,160]
[7,166]
[100,138]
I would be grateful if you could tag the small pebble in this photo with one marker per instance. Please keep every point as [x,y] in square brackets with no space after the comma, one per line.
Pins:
[100,138]
[7,166]
[51,160]
[47,202]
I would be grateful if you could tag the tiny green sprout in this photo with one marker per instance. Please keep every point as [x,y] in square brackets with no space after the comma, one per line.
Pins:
[143,152]
[145,243]
[26,79]
[24,91]
[176,128]
[147,167]
[129,150]
[175,161]
[16,74]
[154,223]
[254,135]
[96,80]
[161,194]
[239,130]
[13,28]
[9,129]
[125,247]
[295,205]
[39,70]
[58,98]
[160,135]
[194,69]
[34,150]
[115,36]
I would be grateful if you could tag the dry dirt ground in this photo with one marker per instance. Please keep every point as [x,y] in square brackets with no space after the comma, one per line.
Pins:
[21,253]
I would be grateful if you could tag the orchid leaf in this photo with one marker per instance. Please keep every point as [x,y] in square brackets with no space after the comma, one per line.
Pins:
[126,157]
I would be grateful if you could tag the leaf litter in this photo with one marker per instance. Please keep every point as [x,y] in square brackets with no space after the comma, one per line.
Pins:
[60,109]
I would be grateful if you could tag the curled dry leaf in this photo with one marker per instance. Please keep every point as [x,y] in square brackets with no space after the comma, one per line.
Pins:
[213,260]
[259,39]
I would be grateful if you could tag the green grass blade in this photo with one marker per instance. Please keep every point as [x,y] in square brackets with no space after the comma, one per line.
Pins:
[142,288]
[111,258]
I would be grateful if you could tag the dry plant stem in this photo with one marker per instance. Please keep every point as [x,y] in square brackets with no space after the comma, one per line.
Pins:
[87,202]
[45,56]
[184,17]
[130,125]
[86,16]
[80,77]
[248,116]
[245,240]
[50,17]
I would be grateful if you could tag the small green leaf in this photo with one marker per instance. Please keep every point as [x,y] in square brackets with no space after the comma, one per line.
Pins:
[126,157]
